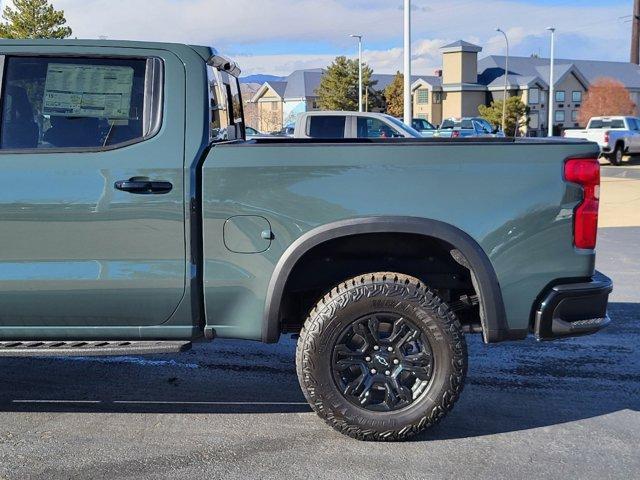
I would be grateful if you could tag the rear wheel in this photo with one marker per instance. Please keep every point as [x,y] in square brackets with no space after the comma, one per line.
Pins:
[617,156]
[381,357]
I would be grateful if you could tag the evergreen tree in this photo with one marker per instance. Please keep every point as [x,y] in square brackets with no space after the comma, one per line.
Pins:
[517,114]
[394,95]
[338,89]
[33,19]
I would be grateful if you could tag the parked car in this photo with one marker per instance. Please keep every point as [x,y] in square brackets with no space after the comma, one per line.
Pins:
[138,228]
[286,131]
[253,133]
[334,125]
[424,127]
[467,127]
[616,136]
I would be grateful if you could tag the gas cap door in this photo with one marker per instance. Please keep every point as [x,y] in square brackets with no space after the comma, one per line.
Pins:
[247,234]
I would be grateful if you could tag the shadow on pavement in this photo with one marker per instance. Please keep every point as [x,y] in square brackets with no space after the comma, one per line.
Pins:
[511,387]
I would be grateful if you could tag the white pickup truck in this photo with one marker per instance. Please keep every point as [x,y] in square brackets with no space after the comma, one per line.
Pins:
[336,125]
[617,136]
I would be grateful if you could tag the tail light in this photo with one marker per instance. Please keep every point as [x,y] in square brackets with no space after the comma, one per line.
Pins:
[455,134]
[586,173]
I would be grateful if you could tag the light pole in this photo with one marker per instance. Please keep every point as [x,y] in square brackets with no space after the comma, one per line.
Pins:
[408,113]
[506,84]
[359,37]
[551,80]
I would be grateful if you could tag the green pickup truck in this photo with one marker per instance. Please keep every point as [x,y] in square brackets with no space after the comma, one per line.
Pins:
[135,218]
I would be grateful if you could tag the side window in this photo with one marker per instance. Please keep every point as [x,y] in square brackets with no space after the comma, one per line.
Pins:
[226,112]
[374,128]
[327,126]
[75,103]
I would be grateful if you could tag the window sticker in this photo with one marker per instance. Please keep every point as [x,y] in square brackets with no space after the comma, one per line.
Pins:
[88,91]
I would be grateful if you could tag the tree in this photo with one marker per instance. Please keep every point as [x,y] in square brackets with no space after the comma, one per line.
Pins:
[33,19]
[606,96]
[394,95]
[517,114]
[338,89]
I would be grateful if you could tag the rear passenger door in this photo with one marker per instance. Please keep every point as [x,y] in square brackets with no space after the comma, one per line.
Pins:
[91,189]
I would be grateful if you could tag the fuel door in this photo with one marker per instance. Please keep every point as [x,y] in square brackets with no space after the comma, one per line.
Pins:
[247,234]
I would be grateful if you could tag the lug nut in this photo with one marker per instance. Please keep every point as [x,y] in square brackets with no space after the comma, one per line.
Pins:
[390,349]
[367,359]
[376,348]
[373,371]
[387,373]
[396,362]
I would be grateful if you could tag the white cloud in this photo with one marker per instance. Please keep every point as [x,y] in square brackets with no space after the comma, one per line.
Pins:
[244,26]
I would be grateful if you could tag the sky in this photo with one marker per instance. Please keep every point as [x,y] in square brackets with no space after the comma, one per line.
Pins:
[278,36]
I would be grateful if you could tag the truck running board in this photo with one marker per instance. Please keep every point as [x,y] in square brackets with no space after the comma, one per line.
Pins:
[88,348]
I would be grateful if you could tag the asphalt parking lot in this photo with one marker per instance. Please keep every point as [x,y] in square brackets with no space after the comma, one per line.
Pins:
[233,410]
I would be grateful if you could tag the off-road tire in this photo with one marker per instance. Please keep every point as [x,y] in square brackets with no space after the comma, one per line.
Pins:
[617,156]
[361,296]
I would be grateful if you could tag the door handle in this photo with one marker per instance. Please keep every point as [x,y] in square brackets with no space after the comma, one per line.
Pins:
[143,186]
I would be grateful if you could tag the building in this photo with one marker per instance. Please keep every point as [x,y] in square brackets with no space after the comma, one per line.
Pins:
[463,84]
[279,102]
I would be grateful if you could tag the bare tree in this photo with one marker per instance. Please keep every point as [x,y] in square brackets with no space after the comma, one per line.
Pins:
[606,96]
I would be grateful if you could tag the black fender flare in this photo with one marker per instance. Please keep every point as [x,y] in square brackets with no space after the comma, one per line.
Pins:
[495,326]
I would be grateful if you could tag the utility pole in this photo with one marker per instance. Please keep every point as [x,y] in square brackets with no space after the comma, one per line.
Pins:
[552,81]
[506,85]
[359,37]
[635,38]
[408,107]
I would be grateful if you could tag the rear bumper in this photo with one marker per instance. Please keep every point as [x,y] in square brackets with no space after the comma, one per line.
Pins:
[574,309]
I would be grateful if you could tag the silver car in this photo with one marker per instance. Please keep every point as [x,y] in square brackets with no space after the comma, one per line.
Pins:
[467,127]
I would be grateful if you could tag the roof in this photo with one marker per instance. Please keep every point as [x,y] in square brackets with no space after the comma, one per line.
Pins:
[279,87]
[524,69]
[205,52]
[461,46]
[303,83]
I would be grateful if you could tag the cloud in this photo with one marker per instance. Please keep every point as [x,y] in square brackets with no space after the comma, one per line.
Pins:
[309,33]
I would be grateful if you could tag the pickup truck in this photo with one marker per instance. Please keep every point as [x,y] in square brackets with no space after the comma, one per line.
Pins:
[136,219]
[616,136]
[335,125]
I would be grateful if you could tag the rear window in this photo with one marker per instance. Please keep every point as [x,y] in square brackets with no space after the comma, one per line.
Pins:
[422,124]
[453,124]
[61,103]
[326,126]
[608,123]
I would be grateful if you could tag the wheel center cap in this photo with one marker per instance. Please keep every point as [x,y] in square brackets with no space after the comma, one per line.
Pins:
[381,360]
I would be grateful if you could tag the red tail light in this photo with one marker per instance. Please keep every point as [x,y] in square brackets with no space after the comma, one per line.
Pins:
[586,173]
[455,134]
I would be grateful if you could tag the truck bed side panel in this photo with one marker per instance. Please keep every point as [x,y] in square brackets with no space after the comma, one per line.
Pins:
[509,197]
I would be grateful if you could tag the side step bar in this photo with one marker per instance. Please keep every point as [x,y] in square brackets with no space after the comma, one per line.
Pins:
[89,348]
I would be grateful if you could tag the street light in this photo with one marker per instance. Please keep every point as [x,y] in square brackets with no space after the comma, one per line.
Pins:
[551,80]
[408,114]
[506,83]
[359,37]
